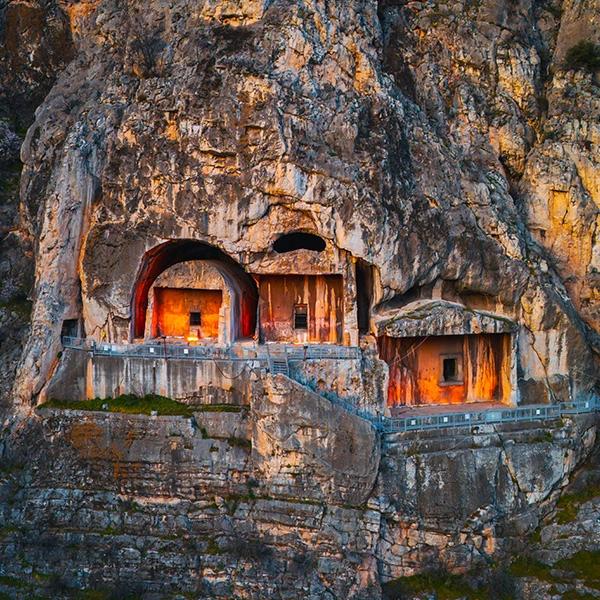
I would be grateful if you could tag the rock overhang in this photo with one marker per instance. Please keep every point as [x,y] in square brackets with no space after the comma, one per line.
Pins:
[440,317]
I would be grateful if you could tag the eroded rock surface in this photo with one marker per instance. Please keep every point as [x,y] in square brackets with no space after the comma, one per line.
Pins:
[448,145]
[35,45]
[288,497]
[412,136]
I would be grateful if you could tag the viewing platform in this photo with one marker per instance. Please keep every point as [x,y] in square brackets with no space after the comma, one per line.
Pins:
[240,351]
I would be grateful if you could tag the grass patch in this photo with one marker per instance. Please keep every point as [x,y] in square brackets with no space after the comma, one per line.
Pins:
[212,548]
[12,582]
[568,504]
[584,565]
[575,595]
[8,530]
[536,536]
[543,436]
[585,55]
[107,594]
[223,408]
[525,566]
[92,595]
[127,403]
[445,586]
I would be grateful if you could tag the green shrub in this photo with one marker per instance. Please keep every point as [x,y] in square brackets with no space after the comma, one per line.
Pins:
[584,565]
[583,55]
[229,408]
[445,586]
[525,566]
[12,582]
[568,504]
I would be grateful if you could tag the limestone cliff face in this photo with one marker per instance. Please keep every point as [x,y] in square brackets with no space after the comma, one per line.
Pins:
[447,145]
[287,497]
[437,142]
[35,45]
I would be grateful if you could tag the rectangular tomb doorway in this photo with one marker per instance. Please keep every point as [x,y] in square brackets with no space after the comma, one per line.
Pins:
[450,369]
[301,308]
[186,313]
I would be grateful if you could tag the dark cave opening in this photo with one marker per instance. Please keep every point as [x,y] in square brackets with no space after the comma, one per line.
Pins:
[299,240]
[364,295]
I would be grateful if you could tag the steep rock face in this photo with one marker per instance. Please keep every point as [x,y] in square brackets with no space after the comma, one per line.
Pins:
[398,131]
[227,504]
[289,497]
[446,145]
[35,45]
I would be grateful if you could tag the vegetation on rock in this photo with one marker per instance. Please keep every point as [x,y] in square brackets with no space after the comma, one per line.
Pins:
[568,505]
[498,584]
[127,403]
[583,55]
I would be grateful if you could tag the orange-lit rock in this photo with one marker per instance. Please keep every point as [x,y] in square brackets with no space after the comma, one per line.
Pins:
[319,296]
[446,156]
[173,309]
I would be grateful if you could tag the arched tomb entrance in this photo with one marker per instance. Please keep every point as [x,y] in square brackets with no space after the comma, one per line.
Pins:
[194,308]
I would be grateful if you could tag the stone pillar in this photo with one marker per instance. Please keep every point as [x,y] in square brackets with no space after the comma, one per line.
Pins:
[350,337]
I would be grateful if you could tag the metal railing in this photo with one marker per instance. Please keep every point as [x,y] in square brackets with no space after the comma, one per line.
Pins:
[156,350]
[319,352]
[263,352]
[348,404]
[329,394]
[495,415]
[269,354]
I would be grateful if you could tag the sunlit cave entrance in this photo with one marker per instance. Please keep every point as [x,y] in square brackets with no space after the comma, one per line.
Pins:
[192,291]
[451,369]
[189,300]
[189,313]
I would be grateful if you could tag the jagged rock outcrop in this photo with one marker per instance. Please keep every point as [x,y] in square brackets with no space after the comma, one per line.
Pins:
[35,45]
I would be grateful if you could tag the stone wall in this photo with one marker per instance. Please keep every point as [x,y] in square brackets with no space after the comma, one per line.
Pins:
[81,376]
[288,497]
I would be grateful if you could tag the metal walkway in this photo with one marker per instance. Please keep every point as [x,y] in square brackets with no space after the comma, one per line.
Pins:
[280,358]
[245,352]
[531,412]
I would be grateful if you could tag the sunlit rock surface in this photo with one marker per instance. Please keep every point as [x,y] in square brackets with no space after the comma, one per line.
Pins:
[410,136]
[447,145]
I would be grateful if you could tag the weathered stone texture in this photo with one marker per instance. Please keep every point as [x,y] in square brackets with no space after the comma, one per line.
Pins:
[286,499]
[404,135]
[446,144]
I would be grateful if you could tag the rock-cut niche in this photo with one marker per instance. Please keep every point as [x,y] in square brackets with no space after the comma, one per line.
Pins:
[241,287]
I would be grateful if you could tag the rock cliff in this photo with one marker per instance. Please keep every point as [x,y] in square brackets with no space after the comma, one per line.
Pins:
[452,147]
[287,497]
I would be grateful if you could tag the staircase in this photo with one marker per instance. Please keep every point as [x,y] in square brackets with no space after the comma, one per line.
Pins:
[280,366]
[278,362]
